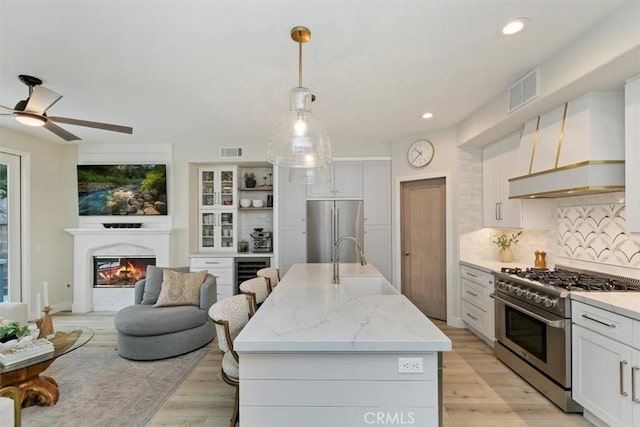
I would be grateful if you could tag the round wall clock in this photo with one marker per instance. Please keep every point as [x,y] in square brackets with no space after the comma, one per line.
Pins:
[420,153]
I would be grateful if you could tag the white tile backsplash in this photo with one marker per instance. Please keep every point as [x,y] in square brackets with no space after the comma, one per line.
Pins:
[254,219]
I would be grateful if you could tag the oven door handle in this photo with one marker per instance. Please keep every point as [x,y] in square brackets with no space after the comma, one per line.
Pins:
[558,324]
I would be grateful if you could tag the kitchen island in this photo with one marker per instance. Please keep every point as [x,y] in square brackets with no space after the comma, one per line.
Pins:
[353,354]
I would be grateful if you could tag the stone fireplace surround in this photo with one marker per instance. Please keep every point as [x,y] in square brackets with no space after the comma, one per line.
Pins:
[90,242]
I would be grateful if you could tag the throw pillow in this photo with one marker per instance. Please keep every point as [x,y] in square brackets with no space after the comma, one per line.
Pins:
[180,288]
[153,283]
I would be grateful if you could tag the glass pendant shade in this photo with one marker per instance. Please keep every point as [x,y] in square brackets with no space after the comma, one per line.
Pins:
[299,139]
[310,175]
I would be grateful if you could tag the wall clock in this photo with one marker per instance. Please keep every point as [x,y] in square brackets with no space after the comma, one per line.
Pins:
[420,153]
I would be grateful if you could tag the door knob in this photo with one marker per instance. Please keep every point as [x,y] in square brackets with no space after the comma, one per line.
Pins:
[407,253]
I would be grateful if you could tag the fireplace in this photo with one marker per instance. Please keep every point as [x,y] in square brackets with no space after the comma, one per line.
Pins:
[119,272]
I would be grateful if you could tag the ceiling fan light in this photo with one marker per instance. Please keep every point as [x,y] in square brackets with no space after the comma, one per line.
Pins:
[30,119]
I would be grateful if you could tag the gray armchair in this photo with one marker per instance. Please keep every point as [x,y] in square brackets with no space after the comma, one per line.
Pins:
[146,332]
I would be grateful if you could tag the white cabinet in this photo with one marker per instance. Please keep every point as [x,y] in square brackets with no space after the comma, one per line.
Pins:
[217,187]
[345,182]
[217,230]
[605,365]
[376,177]
[498,210]
[477,306]
[221,268]
[291,206]
[632,154]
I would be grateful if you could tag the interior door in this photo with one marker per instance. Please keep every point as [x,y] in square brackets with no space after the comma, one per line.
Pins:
[10,238]
[423,245]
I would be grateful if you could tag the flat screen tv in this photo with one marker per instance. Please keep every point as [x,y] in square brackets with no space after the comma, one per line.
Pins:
[122,189]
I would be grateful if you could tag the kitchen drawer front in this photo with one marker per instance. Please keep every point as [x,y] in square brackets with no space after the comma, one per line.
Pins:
[477,276]
[474,293]
[474,316]
[211,263]
[612,325]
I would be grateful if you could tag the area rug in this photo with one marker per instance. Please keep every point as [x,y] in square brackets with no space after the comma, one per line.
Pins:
[100,388]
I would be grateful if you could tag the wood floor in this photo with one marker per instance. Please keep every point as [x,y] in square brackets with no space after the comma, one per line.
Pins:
[478,389]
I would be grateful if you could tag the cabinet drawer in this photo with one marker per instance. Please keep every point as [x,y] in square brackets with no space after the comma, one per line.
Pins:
[475,317]
[208,263]
[474,293]
[475,275]
[612,325]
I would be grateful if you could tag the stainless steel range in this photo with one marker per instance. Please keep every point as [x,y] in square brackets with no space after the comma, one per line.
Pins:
[533,323]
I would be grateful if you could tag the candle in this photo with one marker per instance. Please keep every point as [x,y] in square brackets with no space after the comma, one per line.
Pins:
[38,307]
[45,289]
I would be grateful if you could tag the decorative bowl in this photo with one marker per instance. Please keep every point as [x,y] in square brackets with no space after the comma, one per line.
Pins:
[245,203]
[257,203]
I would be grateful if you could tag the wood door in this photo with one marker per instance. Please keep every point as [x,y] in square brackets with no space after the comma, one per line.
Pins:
[423,245]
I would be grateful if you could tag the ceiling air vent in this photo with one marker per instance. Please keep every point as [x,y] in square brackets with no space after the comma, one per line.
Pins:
[230,152]
[524,90]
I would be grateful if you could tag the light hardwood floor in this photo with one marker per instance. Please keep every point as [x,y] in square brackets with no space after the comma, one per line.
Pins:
[478,389]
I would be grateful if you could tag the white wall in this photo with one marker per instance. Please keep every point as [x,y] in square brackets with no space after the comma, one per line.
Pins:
[51,202]
[445,164]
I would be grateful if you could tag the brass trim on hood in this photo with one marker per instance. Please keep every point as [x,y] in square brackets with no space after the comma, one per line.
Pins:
[571,166]
[561,137]
[575,191]
[535,144]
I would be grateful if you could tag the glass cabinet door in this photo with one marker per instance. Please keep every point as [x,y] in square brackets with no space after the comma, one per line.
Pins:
[208,230]
[227,187]
[207,188]
[227,231]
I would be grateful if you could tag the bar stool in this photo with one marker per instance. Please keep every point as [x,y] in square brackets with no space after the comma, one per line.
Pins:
[257,289]
[10,401]
[230,315]
[272,274]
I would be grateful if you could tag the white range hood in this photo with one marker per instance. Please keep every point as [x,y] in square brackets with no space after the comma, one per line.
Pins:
[577,148]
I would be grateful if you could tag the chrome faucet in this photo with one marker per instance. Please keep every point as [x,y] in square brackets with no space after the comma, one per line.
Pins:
[336,262]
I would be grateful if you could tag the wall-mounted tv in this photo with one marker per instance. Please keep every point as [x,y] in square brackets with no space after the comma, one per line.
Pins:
[122,189]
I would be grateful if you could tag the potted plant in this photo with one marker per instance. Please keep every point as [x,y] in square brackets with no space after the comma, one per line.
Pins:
[243,246]
[249,179]
[504,242]
[12,331]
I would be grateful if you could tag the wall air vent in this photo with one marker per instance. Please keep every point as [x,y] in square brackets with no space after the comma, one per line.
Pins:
[231,152]
[524,90]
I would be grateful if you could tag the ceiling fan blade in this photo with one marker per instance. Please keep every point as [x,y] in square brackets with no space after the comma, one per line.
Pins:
[97,125]
[67,136]
[7,108]
[41,100]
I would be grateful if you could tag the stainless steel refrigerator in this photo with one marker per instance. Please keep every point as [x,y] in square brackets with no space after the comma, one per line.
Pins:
[327,221]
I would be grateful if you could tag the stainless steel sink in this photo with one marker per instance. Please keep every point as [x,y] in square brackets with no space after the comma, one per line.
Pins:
[366,285]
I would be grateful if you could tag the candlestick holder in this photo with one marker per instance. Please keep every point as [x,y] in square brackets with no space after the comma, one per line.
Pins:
[45,323]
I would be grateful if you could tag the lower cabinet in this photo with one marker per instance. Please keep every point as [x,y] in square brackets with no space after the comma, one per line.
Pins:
[605,366]
[377,248]
[292,247]
[477,306]
[222,268]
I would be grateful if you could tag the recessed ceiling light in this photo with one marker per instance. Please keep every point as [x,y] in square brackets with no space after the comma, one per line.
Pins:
[427,115]
[514,26]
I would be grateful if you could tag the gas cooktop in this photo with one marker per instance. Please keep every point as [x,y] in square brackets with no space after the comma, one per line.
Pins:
[575,280]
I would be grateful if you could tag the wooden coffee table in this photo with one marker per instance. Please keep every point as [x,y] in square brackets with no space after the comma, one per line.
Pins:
[36,389]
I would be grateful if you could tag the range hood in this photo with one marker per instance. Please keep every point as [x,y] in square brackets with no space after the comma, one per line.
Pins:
[575,149]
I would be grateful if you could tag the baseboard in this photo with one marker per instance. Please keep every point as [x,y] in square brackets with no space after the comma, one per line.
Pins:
[456,322]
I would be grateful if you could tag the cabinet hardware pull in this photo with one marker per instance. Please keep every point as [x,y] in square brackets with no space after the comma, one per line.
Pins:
[407,253]
[634,398]
[608,325]
[497,215]
[472,316]
[471,274]
[471,293]
[212,262]
[622,364]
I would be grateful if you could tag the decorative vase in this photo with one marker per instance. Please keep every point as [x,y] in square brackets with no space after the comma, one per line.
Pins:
[505,254]
[249,183]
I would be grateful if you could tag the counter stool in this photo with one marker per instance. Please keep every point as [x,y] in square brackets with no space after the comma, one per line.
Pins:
[272,274]
[257,289]
[230,315]
[10,401]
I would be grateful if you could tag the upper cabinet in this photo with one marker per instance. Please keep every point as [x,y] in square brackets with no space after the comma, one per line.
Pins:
[632,153]
[217,187]
[345,182]
[498,210]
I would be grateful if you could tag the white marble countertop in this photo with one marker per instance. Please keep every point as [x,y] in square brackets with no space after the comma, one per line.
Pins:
[624,303]
[305,312]
[490,265]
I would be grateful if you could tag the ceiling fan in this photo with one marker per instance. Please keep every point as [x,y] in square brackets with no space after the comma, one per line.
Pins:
[33,111]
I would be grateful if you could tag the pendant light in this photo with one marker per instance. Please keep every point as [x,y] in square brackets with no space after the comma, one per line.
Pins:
[299,139]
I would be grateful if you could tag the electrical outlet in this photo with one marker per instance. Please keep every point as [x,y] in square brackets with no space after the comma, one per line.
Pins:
[410,365]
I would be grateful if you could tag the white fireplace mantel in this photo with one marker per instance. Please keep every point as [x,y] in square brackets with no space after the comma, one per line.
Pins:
[88,241]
